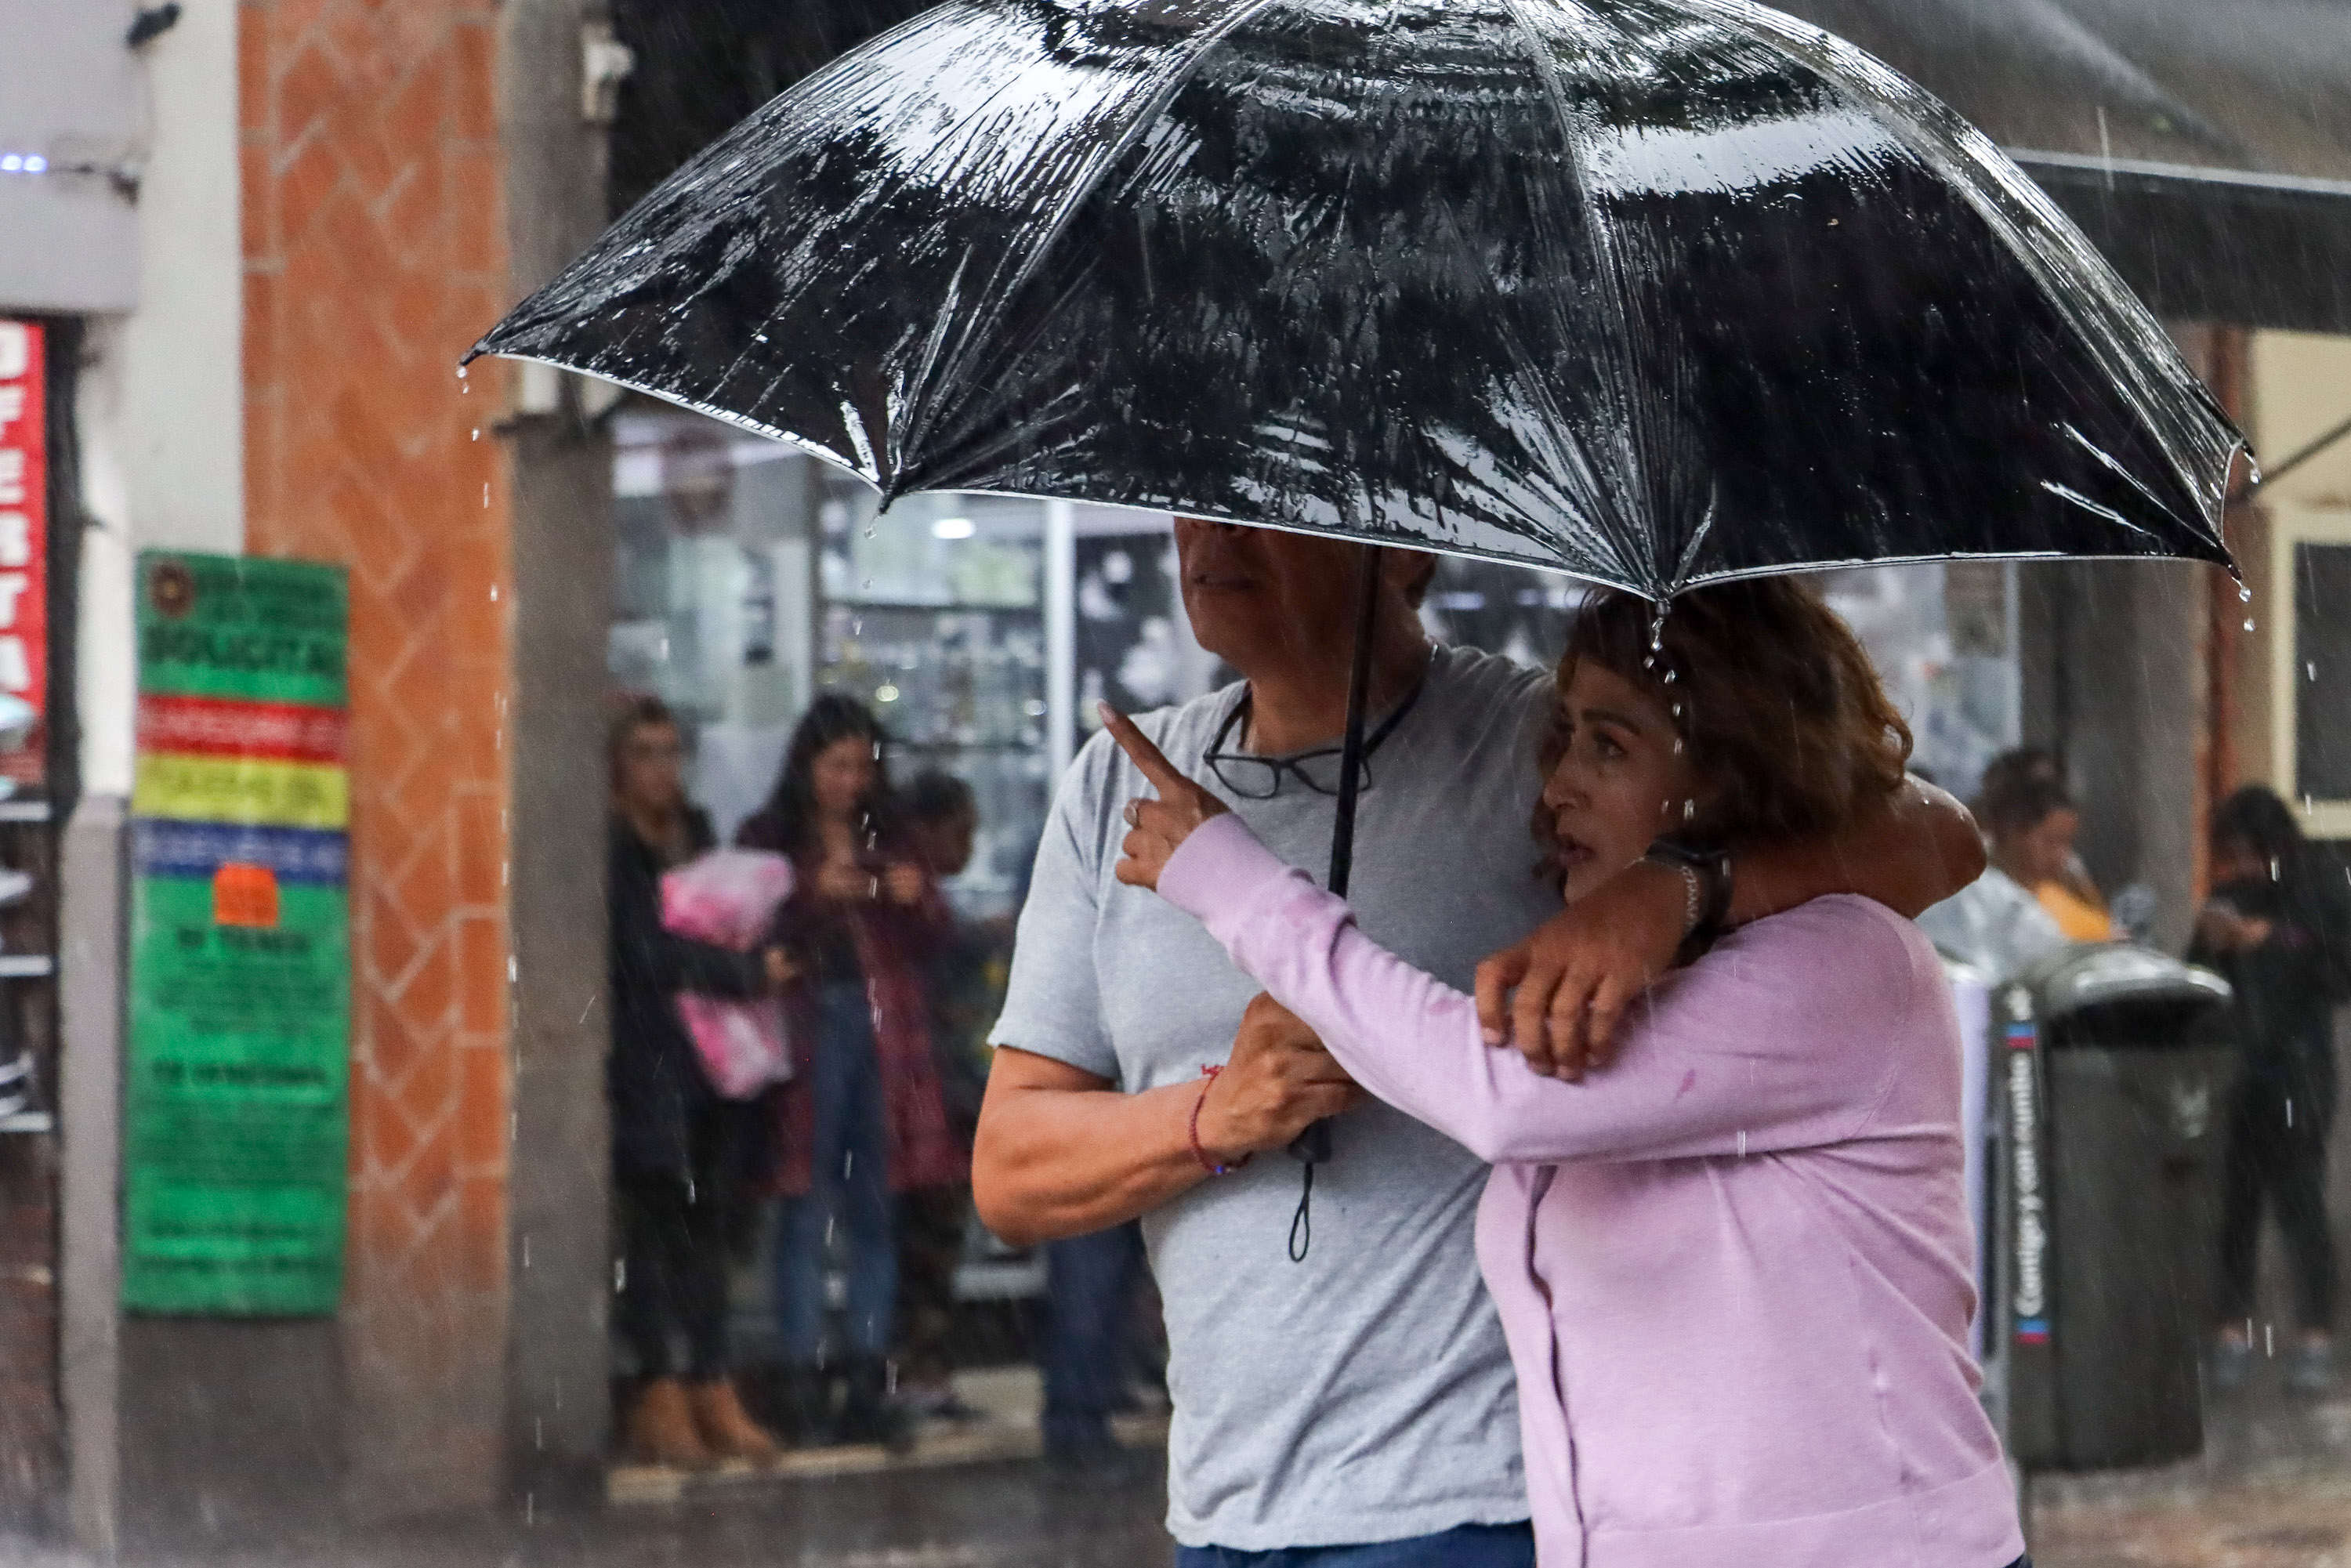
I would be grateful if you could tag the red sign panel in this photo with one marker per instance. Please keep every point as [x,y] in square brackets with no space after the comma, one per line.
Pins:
[23,554]
[221,727]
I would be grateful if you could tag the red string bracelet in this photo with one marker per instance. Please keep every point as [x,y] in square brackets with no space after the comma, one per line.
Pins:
[1199,1154]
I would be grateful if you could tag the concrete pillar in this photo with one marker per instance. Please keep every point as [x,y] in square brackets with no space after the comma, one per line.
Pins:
[558,1414]
[91,931]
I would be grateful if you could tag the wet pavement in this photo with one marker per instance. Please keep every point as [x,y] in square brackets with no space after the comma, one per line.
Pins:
[1013,1515]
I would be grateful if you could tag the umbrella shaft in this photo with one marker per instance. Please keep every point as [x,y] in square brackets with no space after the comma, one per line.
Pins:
[1313,1144]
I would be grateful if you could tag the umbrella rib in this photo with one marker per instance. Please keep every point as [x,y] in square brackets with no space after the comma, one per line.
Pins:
[1080,193]
[1612,272]
[1948,144]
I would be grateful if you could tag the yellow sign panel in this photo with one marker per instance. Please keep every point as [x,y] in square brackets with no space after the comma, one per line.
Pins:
[243,790]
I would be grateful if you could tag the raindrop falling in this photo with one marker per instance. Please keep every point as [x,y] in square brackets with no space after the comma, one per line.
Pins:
[1743,1145]
[2249,622]
[2289,1112]
[2269,1339]
[477,432]
[2245,593]
[486,497]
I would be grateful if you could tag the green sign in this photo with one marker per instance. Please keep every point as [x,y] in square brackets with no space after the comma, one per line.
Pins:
[226,626]
[236,1097]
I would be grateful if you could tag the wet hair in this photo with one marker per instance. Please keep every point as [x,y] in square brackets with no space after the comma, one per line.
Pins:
[2019,801]
[1782,712]
[790,813]
[935,795]
[629,713]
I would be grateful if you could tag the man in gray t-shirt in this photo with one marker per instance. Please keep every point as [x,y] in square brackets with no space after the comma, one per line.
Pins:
[1364,1395]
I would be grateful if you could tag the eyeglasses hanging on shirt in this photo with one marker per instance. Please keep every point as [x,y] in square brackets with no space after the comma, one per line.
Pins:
[1255,778]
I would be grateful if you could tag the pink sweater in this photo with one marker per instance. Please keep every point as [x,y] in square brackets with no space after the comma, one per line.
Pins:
[1733,1267]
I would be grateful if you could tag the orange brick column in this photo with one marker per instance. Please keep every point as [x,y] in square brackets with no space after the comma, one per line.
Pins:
[374,253]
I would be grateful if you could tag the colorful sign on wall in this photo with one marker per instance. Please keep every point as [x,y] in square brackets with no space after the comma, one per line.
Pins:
[236,1104]
[24,553]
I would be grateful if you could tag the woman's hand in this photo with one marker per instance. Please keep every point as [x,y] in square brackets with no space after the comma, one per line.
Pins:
[2224,927]
[903,884]
[844,882]
[1278,1082]
[1575,974]
[1159,826]
[778,967]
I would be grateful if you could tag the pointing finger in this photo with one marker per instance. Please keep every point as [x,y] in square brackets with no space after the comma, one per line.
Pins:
[1140,750]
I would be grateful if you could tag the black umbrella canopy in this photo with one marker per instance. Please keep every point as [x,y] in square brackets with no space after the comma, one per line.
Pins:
[1652,291]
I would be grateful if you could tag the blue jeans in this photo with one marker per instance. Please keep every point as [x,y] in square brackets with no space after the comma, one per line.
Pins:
[1464,1546]
[1089,1285]
[849,1197]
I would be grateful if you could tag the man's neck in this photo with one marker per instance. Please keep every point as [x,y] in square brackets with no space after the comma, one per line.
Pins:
[1296,708]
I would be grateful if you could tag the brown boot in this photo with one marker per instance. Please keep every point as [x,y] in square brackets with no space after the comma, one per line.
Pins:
[662,1428]
[727,1429]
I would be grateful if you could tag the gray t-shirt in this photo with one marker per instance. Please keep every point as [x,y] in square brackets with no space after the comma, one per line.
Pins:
[1364,1395]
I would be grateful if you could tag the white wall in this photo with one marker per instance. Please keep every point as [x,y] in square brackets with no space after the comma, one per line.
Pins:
[163,399]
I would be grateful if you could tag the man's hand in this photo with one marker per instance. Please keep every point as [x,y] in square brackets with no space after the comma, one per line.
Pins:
[1573,976]
[776,966]
[1280,1081]
[1159,827]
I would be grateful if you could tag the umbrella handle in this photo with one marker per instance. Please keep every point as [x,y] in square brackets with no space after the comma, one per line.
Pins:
[1312,1146]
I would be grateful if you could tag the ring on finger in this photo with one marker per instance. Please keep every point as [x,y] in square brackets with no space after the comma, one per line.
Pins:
[1134,813]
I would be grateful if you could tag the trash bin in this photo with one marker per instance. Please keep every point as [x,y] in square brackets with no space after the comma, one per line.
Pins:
[2109,1068]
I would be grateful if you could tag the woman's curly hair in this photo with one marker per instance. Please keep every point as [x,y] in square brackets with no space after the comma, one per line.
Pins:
[1770,690]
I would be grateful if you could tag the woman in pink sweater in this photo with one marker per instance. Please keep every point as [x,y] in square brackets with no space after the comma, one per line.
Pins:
[1734,1268]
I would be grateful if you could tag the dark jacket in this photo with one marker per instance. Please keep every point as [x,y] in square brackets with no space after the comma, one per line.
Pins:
[2287,987]
[652,1075]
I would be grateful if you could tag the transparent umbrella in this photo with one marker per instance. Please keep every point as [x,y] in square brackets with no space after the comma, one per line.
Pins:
[1655,292]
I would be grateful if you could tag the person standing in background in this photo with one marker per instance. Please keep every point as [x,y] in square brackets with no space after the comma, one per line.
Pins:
[2033,820]
[680,1154]
[2276,926]
[967,987]
[863,1119]
[2027,788]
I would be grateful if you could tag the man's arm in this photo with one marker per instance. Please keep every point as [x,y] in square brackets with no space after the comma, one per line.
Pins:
[1575,974]
[1060,1153]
